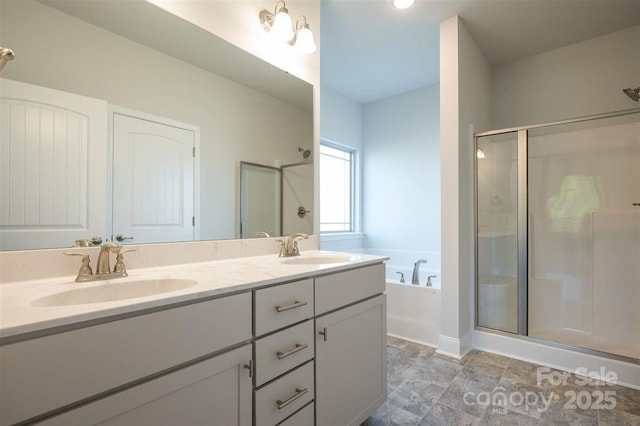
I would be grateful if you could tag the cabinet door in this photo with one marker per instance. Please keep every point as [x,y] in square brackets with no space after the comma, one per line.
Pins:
[351,363]
[213,392]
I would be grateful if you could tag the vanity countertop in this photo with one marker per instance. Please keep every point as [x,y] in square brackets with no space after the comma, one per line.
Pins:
[21,313]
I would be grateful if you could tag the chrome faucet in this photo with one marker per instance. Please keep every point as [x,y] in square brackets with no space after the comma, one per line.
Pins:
[290,248]
[415,278]
[103,268]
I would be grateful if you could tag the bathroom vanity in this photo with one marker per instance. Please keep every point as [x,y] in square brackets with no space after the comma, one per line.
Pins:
[290,344]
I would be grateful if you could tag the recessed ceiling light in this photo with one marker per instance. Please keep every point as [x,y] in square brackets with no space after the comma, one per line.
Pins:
[403,4]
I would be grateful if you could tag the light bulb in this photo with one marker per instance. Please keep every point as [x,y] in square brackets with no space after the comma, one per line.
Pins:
[281,27]
[304,41]
[403,4]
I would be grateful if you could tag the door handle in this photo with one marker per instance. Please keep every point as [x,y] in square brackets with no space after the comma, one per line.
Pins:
[121,237]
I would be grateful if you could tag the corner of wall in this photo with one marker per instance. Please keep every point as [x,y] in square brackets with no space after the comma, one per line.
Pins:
[464,73]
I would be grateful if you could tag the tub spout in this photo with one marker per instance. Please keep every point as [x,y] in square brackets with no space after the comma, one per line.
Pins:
[415,278]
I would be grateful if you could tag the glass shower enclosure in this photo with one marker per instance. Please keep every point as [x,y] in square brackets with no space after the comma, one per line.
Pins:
[558,233]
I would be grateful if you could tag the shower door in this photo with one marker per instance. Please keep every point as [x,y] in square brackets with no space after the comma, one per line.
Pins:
[497,231]
[558,232]
[584,234]
[260,200]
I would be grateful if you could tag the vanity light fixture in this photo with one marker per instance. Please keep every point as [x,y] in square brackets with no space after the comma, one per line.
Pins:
[303,40]
[279,25]
[403,4]
[480,154]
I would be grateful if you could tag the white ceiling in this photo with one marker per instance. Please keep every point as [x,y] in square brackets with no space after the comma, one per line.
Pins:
[370,50]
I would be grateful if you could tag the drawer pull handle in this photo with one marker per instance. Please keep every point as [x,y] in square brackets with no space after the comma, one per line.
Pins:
[298,394]
[294,305]
[299,347]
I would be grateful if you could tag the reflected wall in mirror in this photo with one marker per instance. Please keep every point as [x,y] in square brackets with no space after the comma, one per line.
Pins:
[141,59]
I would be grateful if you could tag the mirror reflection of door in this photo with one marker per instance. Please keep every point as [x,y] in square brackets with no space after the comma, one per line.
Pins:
[259,200]
[53,169]
[153,180]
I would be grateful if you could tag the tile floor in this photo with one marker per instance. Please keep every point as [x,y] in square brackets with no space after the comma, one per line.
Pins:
[426,388]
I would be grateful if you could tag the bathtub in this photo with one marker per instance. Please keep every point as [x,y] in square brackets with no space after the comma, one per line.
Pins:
[413,311]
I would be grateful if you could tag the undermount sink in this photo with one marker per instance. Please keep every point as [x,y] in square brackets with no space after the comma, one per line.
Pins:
[319,260]
[111,292]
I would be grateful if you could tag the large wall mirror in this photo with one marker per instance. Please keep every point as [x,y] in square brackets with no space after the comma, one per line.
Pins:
[106,105]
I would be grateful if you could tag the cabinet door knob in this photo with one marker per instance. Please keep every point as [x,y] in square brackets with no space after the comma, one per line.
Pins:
[323,333]
[249,367]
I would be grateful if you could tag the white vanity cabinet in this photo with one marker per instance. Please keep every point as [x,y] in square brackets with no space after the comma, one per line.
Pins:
[302,353]
[351,364]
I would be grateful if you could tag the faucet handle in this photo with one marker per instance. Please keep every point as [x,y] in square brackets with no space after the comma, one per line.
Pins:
[85,267]
[283,248]
[429,284]
[402,281]
[119,267]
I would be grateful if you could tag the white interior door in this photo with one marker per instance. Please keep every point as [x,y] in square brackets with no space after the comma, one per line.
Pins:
[53,167]
[153,181]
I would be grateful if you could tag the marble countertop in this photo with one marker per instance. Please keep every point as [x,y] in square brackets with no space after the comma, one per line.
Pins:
[22,311]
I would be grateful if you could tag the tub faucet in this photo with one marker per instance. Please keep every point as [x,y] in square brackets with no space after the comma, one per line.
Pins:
[415,278]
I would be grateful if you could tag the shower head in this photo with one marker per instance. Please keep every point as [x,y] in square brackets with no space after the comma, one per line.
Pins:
[633,94]
[306,153]
[5,56]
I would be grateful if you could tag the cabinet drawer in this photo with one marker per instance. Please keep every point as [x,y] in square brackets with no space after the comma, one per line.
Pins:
[280,352]
[303,417]
[343,288]
[280,399]
[279,306]
[42,374]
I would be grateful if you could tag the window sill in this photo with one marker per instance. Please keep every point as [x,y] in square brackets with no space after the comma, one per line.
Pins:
[342,236]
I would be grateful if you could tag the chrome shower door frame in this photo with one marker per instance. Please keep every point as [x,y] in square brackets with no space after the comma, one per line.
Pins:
[523,232]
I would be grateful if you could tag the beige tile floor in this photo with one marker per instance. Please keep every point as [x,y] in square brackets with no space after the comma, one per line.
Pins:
[426,388]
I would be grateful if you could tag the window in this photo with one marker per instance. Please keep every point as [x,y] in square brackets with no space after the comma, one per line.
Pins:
[336,189]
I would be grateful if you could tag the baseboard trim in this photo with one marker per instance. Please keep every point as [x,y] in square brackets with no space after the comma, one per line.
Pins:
[628,374]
